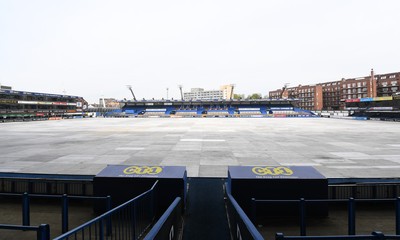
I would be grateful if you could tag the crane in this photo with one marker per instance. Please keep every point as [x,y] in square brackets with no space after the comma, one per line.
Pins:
[130,88]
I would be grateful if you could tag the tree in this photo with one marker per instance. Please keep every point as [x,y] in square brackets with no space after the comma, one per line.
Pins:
[238,96]
[254,96]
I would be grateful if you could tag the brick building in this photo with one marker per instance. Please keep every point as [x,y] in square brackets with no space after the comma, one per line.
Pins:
[331,95]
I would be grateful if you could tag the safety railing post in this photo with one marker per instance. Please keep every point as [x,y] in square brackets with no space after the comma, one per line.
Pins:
[108,223]
[25,210]
[279,236]
[302,206]
[43,232]
[152,210]
[398,216]
[378,235]
[64,213]
[133,212]
[101,229]
[253,211]
[351,217]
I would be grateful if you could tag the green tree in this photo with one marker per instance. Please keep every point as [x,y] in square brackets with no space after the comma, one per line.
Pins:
[238,96]
[254,96]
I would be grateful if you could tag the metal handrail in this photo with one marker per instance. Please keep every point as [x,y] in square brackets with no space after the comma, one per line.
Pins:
[373,236]
[247,222]
[52,196]
[104,215]
[42,231]
[64,225]
[351,210]
[160,223]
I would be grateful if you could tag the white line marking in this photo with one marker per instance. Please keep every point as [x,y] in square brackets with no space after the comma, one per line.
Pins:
[128,148]
[364,167]
[300,164]
[202,140]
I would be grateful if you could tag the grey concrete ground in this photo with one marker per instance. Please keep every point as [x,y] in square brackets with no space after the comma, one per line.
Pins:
[206,146]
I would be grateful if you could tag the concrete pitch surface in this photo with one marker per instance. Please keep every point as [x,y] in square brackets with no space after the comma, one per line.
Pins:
[338,148]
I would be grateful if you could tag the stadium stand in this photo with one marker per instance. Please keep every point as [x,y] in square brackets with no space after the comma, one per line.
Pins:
[215,108]
[380,108]
[23,106]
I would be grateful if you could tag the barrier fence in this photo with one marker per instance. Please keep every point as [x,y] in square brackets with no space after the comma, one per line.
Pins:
[373,236]
[26,199]
[240,225]
[351,211]
[169,225]
[42,231]
[129,220]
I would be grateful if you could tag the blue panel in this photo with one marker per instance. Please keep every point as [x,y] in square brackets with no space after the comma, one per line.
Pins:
[126,171]
[274,172]
[366,99]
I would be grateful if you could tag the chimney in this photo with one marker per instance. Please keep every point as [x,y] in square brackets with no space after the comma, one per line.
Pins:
[372,84]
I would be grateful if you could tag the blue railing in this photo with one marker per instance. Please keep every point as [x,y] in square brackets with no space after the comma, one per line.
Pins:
[240,225]
[167,227]
[42,231]
[373,236]
[351,211]
[127,221]
[26,199]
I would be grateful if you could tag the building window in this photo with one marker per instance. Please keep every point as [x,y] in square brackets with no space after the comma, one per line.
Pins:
[383,77]
[392,76]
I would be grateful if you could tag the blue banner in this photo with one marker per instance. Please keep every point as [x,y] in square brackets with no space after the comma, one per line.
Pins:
[366,99]
[274,172]
[137,171]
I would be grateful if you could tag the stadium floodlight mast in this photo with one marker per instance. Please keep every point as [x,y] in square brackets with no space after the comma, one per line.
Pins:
[232,87]
[130,88]
[180,89]
[167,93]
[284,89]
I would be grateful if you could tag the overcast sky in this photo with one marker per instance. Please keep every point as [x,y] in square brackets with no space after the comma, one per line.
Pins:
[96,48]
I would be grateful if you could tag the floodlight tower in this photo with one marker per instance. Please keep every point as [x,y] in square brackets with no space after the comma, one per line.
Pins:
[130,88]
[167,93]
[232,87]
[284,89]
[180,88]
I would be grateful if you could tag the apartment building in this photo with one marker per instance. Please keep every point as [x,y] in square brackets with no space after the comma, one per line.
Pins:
[388,84]
[225,92]
[331,95]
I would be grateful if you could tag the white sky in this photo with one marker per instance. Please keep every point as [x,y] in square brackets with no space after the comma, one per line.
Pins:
[95,48]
